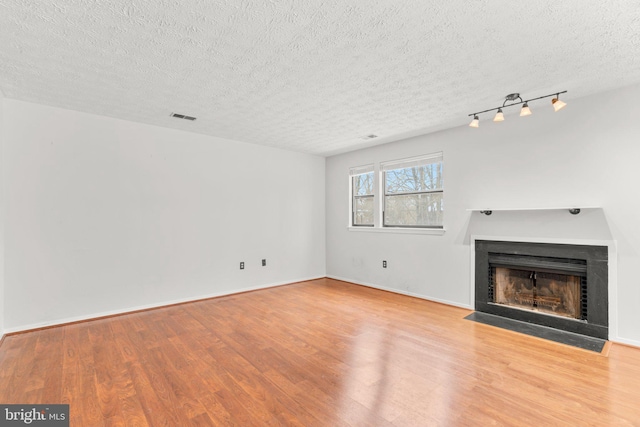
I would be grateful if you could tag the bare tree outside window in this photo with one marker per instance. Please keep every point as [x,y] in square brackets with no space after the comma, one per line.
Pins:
[413,195]
[362,214]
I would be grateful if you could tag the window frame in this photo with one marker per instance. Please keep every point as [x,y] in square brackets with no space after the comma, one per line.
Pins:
[353,173]
[378,202]
[418,161]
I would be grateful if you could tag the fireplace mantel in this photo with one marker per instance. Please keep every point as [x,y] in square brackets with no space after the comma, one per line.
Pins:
[575,210]
[534,209]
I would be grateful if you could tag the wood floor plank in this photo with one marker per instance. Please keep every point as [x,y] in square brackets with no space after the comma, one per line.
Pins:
[183,397]
[48,364]
[317,353]
[108,368]
[19,384]
[154,399]
[72,372]
[92,412]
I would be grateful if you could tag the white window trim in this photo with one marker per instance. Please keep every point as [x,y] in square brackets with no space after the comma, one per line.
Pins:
[355,171]
[412,161]
[403,163]
[399,230]
[378,197]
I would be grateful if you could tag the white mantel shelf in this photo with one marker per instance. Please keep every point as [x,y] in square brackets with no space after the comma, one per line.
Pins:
[534,209]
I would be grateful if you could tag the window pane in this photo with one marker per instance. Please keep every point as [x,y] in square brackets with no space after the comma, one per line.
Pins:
[414,179]
[363,184]
[363,211]
[414,210]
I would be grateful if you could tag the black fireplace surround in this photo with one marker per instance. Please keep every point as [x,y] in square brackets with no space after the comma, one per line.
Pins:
[590,262]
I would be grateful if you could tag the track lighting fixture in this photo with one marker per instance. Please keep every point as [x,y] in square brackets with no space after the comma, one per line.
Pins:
[524,111]
[557,104]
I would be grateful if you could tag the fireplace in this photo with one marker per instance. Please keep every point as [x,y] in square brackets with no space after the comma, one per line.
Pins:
[554,285]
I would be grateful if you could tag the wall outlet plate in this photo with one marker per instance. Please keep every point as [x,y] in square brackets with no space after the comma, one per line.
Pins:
[242,266]
[264,262]
[384,264]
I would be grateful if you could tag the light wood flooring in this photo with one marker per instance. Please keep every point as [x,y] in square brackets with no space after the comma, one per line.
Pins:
[317,353]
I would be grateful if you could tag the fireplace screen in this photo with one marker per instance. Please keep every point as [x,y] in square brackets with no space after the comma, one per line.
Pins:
[551,293]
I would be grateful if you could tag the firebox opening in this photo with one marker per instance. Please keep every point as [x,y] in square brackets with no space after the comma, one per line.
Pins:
[554,286]
[548,293]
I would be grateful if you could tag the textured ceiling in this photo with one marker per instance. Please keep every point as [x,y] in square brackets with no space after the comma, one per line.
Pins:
[311,76]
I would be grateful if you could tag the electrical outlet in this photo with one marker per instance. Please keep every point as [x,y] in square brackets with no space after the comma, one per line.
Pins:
[384,264]
[264,262]
[242,266]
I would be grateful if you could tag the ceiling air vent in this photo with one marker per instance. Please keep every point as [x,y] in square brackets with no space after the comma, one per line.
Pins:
[366,137]
[182,116]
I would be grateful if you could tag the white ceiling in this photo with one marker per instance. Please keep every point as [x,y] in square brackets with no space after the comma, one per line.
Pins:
[311,76]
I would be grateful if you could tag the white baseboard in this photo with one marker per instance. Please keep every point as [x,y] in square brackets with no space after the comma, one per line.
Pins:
[632,343]
[398,291]
[150,306]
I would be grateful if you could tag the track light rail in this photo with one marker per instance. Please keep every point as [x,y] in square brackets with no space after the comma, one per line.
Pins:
[517,103]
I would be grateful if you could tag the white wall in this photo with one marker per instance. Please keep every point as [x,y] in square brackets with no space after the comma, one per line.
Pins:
[586,155]
[105,215]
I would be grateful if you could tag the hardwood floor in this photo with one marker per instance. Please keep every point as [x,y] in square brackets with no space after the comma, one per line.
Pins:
[324,353]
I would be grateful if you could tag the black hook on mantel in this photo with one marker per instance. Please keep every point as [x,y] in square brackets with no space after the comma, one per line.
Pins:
[572,211]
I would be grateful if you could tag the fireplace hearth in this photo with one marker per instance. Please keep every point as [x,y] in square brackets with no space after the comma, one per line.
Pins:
[554,285]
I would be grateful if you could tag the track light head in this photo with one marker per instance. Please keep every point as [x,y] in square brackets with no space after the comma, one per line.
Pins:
[525,111]
[557,104]
[499,117]
[475,123]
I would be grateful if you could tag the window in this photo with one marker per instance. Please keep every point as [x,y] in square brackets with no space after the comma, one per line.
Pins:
[413,192]
[362,206]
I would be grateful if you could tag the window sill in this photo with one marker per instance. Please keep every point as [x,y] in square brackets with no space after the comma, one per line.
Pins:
[399,230]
